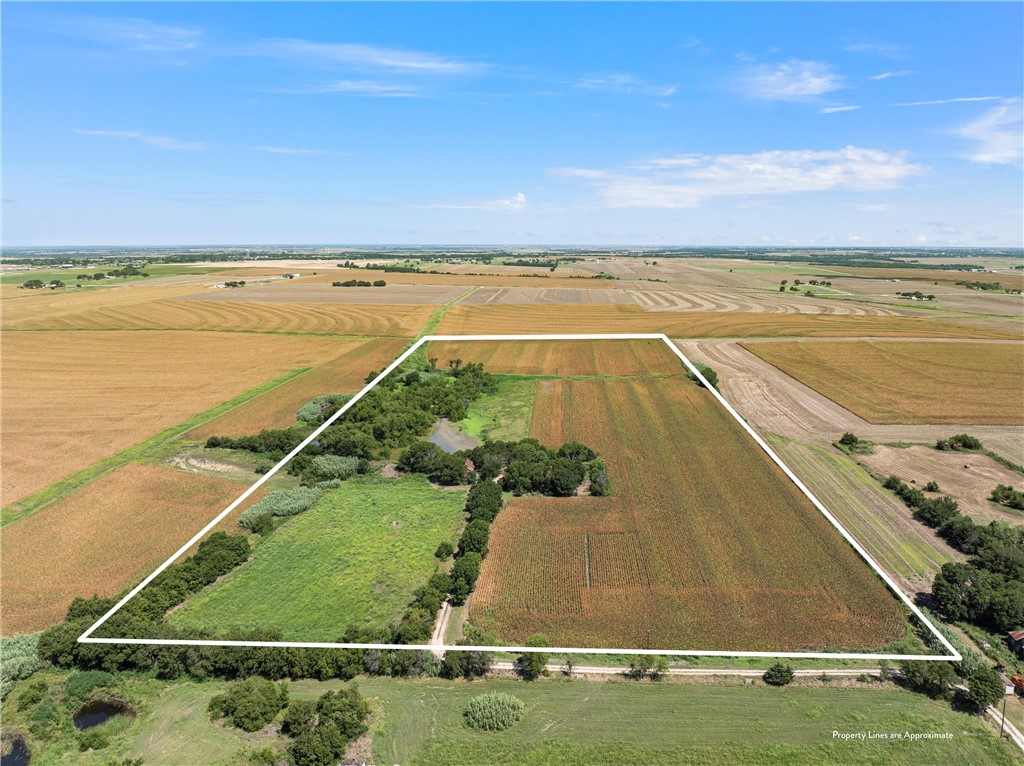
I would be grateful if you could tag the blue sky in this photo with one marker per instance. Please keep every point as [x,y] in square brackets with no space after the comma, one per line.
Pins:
[760,124]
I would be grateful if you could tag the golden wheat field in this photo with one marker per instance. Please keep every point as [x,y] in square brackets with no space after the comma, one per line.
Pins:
[72,398]
[705,544]
[563,357]
[617,318]
[102,539]
[907,382]
[344,374]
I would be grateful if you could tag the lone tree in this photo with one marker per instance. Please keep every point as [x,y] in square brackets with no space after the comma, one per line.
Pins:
[984,688]
[532,664]
[778,675]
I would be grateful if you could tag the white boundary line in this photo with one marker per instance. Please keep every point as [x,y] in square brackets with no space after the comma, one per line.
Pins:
[954,655]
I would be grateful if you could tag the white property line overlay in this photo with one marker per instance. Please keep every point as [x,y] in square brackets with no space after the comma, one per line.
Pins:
[954,655]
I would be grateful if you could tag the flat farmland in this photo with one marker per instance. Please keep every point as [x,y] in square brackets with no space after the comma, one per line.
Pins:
[345,374]
[101,539]
[909,382]
[704,544]
[474,277]
[563,357]
[518,296]
[298,291]
[73,398]
[619,318]
[355,557]
[760,302]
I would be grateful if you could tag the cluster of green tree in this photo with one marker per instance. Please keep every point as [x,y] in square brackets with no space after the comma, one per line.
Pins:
[321,407]
[937,679]
[393,269]
[1006,495]
[359,283]
[917,295]
[779,674]
[235,283]
[396,412]
[36,284]
[958,443]
[524,466]
[709,375]
[320,729]
[980,285]
[989,589]
[818,282]
[647,666]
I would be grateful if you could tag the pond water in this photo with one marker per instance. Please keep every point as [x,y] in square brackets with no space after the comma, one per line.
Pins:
[448,437]
[99,711]
[18,754]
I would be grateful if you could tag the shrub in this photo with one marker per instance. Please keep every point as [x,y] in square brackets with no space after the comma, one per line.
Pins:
[778,675]
[1006,495]
[262,524]
[20,659]
[320,408]
[932,486]
[958,443]
[848,440]
[81,683]
[493,712]
[250,704]
[299,718]
[534,664]
[444,550]
[984,688]
[280,502]
[32,694]
[931,678]
[599,484]
[709,375]
[92,739]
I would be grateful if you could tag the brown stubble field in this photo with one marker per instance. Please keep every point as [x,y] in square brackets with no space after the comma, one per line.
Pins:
[562,357]
[73,398]
[102,539]
[618,318]
[907,382]
[705,544]
[277,408]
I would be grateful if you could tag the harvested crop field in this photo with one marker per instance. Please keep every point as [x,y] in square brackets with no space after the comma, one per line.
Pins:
[144,306]
[516,296]
[733,301]
[102,539]
[473,278]
[969,478]
[563,357]
[618,318]
[288,291]
[344,374]
[704,544]
[73,398]
[911,383]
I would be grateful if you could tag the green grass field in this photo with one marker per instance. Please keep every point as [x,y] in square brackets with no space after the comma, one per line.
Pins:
[582,722]
[355,557]
[506,414]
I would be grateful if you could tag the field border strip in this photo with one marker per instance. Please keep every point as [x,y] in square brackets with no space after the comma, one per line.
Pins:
[954,655]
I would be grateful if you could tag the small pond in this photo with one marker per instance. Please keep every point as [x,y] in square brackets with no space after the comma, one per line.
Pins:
[100,711]
[14,751]
[448,437]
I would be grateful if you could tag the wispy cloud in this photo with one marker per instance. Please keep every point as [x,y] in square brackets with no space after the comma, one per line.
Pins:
[624,83]
[507,204]
[879,49]
[372,88]
[888,75]
[998,135]
[833,109]
[368,56]
[962,100]
[160,142]
[131,34]
[688,180]
[792,80]
[870,207]
[696,45]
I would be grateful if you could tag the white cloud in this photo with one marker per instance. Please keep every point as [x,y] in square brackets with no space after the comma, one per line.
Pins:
[951,101]
[695,44]
[686,181]
[888,75]
[161,142]
[508,204]
[624,83]
[793,80]
[373,88]
[833,109]
[131,33]
[370,56]
[998,135]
